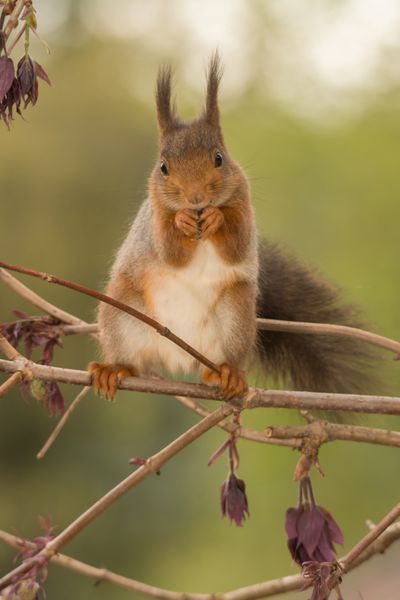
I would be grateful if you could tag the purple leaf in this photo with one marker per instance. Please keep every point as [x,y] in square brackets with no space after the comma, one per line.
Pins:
[54,399]
[26,74]
[234,502]
[40,72]
[292,516]
[312,524]
[311,529]
[334,529]
[6,75]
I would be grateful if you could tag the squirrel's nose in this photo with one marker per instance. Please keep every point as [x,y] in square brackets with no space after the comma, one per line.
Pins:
[196,199]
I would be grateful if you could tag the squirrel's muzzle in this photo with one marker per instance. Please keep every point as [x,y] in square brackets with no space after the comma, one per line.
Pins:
[196,199]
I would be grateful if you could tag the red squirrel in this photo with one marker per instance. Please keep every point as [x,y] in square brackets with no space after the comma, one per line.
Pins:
[193,261]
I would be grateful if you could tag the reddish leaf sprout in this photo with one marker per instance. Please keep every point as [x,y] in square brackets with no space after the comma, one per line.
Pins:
[234,503]
[311,529]
[37,332]
[324,577]
[18,87]
[29,584]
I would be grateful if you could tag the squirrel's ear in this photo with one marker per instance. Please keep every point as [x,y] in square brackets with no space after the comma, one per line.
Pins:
[214,75]
[167,119]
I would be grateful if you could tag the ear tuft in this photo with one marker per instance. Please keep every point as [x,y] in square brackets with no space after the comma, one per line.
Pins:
[214,75]
[167,119]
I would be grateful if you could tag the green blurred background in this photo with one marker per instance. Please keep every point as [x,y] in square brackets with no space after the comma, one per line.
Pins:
[310,108]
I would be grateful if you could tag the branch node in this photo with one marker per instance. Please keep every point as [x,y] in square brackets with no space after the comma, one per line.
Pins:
[248,398]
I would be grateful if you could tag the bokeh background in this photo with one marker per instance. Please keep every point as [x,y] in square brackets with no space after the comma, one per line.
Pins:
[310,106]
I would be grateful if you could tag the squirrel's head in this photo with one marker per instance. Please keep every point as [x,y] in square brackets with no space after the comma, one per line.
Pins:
[194,169]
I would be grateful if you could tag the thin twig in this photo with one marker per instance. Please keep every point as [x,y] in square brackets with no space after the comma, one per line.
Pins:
[329,329]
[28,294]
[10,383]
[152,465]
[291,327]
[329,432]
[161,329]
[13,18]
[62,422]
[242,432]
[7,349]
[253,592]
[100,574]
[79,326]
[389,405]
[369,538]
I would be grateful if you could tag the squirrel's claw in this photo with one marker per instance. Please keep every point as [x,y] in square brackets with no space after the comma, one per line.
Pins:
[211,220]
[230,380]
[186,221]
[106,377]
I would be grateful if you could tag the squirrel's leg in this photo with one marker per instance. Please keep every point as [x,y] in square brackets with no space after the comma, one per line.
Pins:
[120,336]
[235,320]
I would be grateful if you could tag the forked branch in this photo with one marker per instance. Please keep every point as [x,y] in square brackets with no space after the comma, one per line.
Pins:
[152,465]
[265,589]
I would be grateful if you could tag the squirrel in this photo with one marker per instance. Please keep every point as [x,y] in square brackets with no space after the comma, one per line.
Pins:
[193,261]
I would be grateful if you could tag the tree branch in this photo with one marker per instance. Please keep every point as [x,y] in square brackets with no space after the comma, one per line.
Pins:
[288,436]
[10,383]
[7,349]
[289,327]
[252,592]
[329,329]
[37,300]
[62,422]
[241,432]
[257,398]
[13,18]
[152,465]
[329,432]
[161,329]
[357,550]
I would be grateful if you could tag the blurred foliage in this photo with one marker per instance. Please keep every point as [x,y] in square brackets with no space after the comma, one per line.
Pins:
[72,177]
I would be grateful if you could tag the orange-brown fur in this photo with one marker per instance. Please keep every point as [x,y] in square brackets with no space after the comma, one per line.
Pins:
[191,261]
[197,219]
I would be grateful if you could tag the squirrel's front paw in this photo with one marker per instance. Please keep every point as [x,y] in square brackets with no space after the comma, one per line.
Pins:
[230,380]
[211,220]
[187,221]
[105,377]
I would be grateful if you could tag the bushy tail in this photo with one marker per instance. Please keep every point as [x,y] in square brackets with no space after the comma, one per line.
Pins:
[292,291]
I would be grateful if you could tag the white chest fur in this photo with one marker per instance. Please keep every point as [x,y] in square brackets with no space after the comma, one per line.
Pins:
[190,302]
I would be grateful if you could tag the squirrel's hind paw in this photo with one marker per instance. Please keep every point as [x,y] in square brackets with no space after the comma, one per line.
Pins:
[230,380]
[106,377]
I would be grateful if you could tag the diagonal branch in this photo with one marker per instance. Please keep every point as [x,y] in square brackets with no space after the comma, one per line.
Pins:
[14,18]
[164,331]
[10,383]
[37,300]
[357,550]
[252,592]
[60,425]
[152,465]
[241,432]
[7,349]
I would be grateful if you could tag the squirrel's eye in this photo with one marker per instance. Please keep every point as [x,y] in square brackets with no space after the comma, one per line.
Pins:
[218,159]
[164,169]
